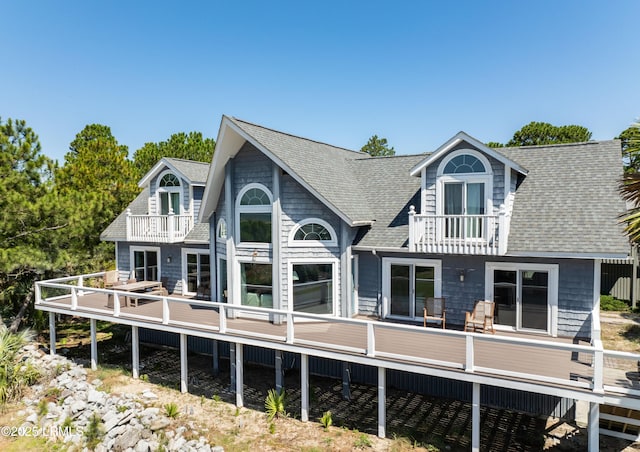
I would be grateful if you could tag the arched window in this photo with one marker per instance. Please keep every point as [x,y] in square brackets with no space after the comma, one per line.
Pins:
[253,207]
[313,232]
[464,163]
[169,180]
[169,194]
[464,192]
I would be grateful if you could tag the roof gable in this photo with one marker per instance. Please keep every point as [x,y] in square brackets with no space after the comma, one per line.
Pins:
[322,169]
[453,142]
[193,172]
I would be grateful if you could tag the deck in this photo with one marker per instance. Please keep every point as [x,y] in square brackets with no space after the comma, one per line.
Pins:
[532,363]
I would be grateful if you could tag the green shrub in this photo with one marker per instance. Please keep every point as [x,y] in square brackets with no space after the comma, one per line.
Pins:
[610,303]
[362,442]
[171,410]
[94,431]
[274,404]
[326,420]
[14,376]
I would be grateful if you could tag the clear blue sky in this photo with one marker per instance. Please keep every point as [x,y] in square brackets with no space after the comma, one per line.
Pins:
[335,71]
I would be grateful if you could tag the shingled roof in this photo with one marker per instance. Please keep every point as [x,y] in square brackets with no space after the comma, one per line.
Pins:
[325,168]
[569,202]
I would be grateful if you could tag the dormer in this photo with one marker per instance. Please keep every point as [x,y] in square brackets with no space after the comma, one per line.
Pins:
[466,197]
[175,188]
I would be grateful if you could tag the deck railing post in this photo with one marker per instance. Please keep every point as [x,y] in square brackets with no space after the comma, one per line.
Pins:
[223,319]
[289,328]
[371,340]
[412,229]
[171,226]
[165,311]
[128,224]
[116,304]
[598,368]
[74,298]
[468,367]
[38,292]
[80,284]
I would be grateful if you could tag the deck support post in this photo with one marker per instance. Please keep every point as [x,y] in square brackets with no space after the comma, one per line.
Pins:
[346,380]
[382,401]
[183,363]
[94,345]
[135,352]
[239,376]
[216,359]
[304,387]
[594,427]
[232,366]
[279,371]
[52,333]
[475,418]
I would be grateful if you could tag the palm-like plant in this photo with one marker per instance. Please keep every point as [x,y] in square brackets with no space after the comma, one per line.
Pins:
[630,191]
[12,378]
[274,404]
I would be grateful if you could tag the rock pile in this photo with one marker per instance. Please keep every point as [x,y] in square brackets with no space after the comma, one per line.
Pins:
[74,410]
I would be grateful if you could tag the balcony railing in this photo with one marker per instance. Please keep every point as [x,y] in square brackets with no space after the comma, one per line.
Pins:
[458,234]
[158,228]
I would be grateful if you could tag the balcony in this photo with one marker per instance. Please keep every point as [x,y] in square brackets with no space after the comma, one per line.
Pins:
[459,234]
[158,228]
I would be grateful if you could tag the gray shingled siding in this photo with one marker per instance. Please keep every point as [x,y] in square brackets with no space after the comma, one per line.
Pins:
[575,292]
[297,205]
[198,192]
[369,288]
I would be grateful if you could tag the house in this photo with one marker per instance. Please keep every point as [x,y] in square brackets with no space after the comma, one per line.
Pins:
[315,228]
[316,244]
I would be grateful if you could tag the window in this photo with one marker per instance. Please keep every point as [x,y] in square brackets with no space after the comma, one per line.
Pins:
[145,264]
[169,194]
[526,295]
[256,284]
[223,294]
[313,232]
[254,214]
[464,163]
[463,190]
[196,270]
[312,287]
[407,283]
[221,233]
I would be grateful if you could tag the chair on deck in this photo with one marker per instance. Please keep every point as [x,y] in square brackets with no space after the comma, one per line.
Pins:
[111,277]
[434,309]
[203,293]
[481,317]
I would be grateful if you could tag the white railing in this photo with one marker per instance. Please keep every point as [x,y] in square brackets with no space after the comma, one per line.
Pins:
[458,234]
[158,228]
[596,372]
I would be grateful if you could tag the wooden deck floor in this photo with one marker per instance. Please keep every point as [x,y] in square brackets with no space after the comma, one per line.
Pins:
[431,348]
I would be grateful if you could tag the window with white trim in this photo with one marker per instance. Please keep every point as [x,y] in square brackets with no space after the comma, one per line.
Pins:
[313,285]
[463,191]
[196,270]
[254,207]
[313,232]
[145,263]
[406,285]
[169,194]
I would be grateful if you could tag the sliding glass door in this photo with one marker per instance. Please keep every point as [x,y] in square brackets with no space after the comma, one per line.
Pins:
[407,284]
[525,295]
